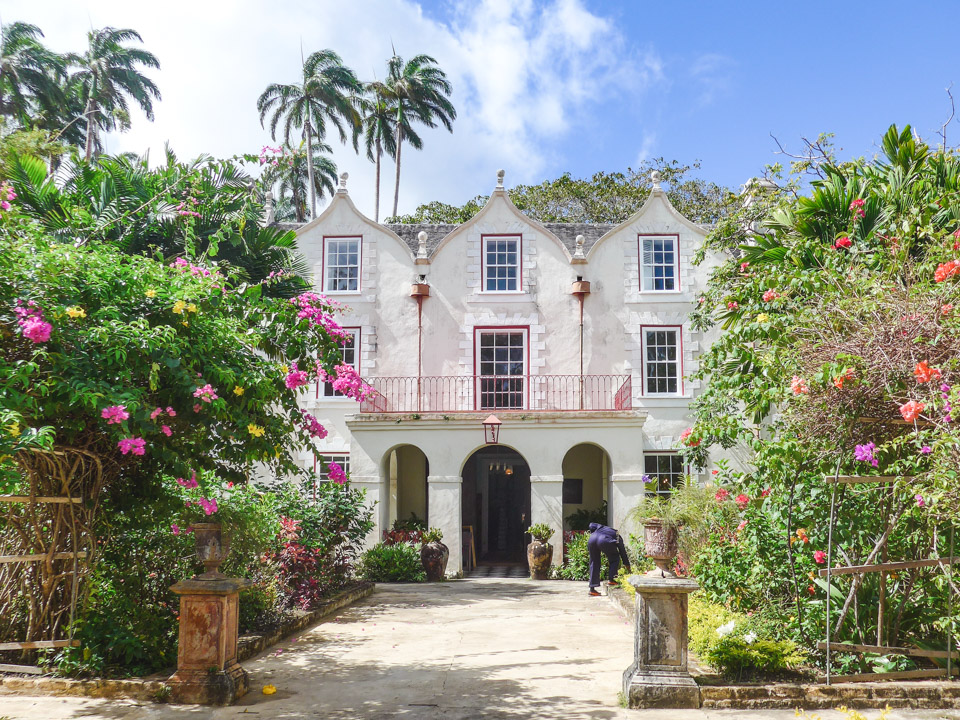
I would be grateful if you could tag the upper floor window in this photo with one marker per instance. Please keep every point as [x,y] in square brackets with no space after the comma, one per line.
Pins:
[501,263]
[348,348]
[665,471]
[341,264]
[501,367]
[658,263]
[661,361]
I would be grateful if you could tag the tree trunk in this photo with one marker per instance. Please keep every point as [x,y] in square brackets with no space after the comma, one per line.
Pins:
[396,186]
[376,192]
[313,192]
[88,111]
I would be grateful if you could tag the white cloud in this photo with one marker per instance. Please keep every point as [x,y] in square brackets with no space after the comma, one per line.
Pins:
[712,74]
[527,77]
[646,147]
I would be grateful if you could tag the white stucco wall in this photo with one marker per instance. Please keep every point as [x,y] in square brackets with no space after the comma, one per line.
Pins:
[615,313]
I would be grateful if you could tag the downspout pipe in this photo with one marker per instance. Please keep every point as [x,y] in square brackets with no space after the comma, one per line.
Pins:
[581,288]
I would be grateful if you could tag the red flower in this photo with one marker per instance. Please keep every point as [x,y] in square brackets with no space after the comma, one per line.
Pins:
[946,308]
[722,494]
[685,438]
[946,270]
[770,295]
[812,589]
[924,373]
[744,266]
[765,493]
[843,242]
[838,381]
[911,410]
[733,305]
[742,500]
[819,557]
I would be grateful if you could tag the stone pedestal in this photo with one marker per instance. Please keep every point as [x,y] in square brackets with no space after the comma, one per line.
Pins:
[658,677]
[207,669]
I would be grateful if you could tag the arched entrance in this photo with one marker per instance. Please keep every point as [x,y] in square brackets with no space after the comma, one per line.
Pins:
[495,506]
[406,469]
[586,475]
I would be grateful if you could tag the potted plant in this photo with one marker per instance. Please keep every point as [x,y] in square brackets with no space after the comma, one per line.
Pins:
[666,518]
[434,555]
[209,515]
[540,551]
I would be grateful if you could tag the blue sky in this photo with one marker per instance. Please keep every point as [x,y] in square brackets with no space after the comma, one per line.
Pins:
[549,86]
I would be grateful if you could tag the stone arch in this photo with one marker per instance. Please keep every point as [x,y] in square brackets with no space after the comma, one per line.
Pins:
[405,467]
[587,469]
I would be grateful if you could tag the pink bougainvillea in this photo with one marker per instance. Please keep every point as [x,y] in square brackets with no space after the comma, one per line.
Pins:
[685,438]
[115,414]
[134,445]
[312,307]
[190,483]
[770,295]
[336,473]
[842,242]
[296,378]
[856,207]
[166,430]
[742,500]
[313,426]
[206,393]
[349,383]
[733,305]
[209,506]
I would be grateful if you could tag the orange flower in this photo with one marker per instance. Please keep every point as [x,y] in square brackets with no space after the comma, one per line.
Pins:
[924,373]
[946,270]
[838,381]
[911,410]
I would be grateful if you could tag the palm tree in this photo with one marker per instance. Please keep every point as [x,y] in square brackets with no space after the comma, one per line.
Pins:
[30,74]
[326,96]
[293,178]
[379,119]
[108,75]
[420,92]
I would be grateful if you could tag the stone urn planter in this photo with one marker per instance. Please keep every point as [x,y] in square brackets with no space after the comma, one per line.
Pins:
[213,548]
[434,555]
[660,545]
[540,552]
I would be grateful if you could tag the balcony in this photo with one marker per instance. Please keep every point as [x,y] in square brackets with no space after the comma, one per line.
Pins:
[499,393]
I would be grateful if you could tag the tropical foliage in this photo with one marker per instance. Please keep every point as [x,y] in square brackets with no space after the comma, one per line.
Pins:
[839,357]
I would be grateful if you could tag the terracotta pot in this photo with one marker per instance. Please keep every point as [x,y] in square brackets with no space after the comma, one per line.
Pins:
[434,556]
[539,558]
[213,547]
[660,545]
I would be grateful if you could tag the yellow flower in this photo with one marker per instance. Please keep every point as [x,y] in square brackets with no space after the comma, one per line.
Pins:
[268,690]
[762,318]
[14,429]
[185,323]
[151,293]
[255,430]
[238,390]
[76,312]
[285,368]
[191,308]
[179,306]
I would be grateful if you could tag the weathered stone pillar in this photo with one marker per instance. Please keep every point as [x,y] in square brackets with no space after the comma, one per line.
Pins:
[658,677]
[546,506]
[443,495]
[207,669]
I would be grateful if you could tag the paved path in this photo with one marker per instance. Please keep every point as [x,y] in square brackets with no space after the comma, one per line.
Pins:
[479,648]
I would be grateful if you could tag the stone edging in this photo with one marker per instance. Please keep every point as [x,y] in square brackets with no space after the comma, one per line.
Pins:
[145,689]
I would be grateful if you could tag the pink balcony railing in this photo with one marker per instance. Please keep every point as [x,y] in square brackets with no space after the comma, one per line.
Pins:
[534,393]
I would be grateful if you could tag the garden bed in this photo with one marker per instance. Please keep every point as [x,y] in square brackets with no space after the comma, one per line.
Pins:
[154,687]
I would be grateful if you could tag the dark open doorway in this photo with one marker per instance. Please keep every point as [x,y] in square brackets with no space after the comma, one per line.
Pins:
[496,504]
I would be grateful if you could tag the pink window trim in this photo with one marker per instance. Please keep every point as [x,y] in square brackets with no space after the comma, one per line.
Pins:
[643,359]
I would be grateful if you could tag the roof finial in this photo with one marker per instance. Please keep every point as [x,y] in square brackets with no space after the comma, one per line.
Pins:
[344,176]
[500,174]
[268,212]
[578,254]
[421,245]
[655,179]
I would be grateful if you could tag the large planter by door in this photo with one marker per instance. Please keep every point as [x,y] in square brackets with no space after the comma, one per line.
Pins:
[539,558]
[660,545]
[434,556]
[213,547]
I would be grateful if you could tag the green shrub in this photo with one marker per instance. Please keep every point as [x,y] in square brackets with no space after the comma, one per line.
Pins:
[432,535]
[738,657]
[576,558]
[703,619]
[392,563]
[541,532]
[580,520]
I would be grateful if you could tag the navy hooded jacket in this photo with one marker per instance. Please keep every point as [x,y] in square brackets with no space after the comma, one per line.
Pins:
[608,536]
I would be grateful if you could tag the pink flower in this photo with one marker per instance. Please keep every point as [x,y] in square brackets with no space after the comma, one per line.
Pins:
[742,500]
[722,494]
[165,429]
[819,557]
[209,506]
[856,207]
[313,426]
[206,393]
[134,445]
[350,383]
[36,329]
[799,386]
[685,438]
[196,408]
[744,266]
[189,484]
[156,413]
[175,529]
[919,499]
[296,378]
[733,305]
[171,412]
[336,473]
[742,525]
[765,493]
[770,295]
[115,414]
[911,410]
[843,242]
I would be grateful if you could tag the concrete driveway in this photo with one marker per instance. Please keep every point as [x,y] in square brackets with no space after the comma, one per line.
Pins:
[479,648]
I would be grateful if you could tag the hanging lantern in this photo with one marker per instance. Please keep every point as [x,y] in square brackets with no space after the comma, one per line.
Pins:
[491,430]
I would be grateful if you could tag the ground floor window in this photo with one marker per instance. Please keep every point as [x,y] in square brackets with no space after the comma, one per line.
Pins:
[665,470]
[321,464]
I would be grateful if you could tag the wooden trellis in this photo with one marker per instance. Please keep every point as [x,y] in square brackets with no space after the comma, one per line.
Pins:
[949,654]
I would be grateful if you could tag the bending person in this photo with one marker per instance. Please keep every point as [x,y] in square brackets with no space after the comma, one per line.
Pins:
[607,541]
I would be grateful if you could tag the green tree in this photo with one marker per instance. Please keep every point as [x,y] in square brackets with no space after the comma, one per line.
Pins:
[420,93]
[379,133]
[325,97]
[603,198]
[30,74]
[287,171]
[108,76]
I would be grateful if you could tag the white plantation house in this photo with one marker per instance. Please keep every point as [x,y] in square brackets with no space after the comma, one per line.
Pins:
[575,337]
